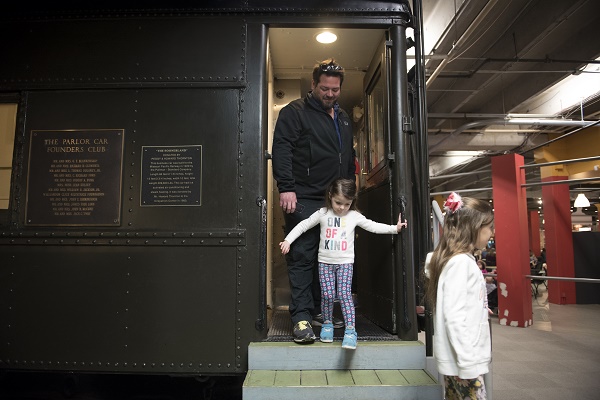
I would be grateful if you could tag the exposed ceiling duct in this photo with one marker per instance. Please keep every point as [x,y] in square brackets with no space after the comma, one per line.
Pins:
[513,121]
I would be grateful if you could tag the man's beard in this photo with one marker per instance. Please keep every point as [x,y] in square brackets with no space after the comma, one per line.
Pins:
[327,104]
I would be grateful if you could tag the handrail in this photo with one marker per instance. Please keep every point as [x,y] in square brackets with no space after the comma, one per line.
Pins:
[563,278]
[547,164]
[555,278]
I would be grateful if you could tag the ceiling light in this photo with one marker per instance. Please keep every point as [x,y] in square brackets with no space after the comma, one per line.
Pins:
[326,37]
[581,201]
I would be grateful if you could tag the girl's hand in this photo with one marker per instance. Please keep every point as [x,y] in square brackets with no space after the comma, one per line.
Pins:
[400,223]
[285,247]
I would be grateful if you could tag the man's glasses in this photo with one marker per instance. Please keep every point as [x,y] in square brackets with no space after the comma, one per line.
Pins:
[330,67]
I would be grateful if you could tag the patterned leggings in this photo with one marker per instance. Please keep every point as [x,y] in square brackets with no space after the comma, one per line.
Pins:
[329,274]
[462,389]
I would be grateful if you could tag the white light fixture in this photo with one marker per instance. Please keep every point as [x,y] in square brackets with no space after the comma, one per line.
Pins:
[581,201]
[326,37]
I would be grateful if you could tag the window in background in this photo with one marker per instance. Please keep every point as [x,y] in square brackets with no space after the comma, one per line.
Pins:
[376,121]
[8,115]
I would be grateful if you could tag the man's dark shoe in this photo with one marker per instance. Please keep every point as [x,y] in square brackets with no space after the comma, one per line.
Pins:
[318,321]
[303,333]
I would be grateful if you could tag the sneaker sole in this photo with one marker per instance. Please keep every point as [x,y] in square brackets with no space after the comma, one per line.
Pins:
[349,347]
[304,340]
[326,340]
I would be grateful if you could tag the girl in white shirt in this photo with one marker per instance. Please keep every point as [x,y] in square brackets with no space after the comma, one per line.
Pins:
[456,293]
[336,252]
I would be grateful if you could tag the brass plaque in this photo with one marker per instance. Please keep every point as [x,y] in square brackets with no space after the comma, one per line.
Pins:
[171,176]
[74,177]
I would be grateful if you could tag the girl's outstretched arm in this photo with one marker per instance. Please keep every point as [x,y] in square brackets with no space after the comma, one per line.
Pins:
[400,223]
[285,247]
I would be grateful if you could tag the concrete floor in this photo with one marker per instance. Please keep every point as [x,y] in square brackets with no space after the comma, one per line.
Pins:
[558,357]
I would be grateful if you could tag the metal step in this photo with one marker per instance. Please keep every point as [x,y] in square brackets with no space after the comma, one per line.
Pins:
[380,368]
[331,356]
[348,384]
[374,370]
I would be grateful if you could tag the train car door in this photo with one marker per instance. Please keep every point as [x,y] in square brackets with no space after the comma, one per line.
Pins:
[383,278]
[374,258]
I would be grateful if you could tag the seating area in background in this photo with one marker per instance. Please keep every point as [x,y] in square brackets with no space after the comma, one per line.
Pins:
[539,270]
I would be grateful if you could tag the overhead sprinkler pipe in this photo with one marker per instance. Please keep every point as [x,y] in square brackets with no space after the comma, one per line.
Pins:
[475,115]
[472,27]
[515,121]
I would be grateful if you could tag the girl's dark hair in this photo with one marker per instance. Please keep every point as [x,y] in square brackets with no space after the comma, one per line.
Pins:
[344,187]
[461,229]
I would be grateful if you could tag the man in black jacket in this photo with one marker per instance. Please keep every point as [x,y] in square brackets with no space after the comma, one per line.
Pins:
[312,146]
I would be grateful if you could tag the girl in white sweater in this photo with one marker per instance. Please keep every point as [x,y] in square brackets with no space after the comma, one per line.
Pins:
[456,293]
[336,252]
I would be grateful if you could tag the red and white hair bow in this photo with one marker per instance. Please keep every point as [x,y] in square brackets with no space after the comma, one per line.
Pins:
[453,203]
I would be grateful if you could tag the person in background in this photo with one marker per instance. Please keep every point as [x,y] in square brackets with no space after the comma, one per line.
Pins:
[542,257]
[532,259]
[338,220]
[481,265]
[456,293]
[484,253]
[312,146]
[491,287]
[490,257]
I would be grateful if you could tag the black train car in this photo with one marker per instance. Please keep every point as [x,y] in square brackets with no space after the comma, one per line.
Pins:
[134,234]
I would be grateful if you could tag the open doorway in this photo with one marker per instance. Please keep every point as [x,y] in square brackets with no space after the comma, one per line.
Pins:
[292,53]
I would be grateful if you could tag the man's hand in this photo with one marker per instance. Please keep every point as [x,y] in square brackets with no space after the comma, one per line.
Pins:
[287,201]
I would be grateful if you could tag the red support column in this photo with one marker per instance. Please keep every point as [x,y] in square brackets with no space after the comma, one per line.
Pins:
[559,240]
[512,241]
[534,233]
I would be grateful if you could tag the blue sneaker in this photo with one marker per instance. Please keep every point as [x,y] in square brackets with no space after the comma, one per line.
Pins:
[350,338]
[327,333]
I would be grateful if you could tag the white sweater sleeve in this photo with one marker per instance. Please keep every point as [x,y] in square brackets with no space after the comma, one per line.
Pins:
[303,226]
[374,227]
